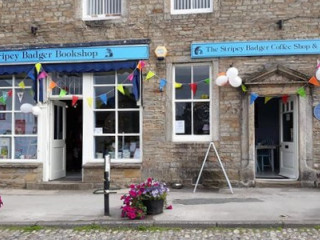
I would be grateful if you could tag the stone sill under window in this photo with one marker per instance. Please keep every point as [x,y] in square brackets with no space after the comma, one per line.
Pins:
[20,165]
[114,165]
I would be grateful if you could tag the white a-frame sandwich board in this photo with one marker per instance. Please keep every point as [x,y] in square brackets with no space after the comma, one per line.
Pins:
[204,161]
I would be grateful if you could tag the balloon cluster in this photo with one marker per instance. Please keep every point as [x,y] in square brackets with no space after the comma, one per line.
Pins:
[28,108]
[230,76]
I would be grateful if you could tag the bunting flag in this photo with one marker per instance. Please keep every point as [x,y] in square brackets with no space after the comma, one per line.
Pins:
[244,88]
[120,89]
[149,75]
[89,101]
[141,65]
[22,85]
[178,85]
[31,74]
[62,93]
[74,100]
[267,99]
[52,84]
[20,96]
[2,100]
[104,98]
[301,91]
[42,75]
[193,87]
[162,84]
[314,81]
[130,77]
[5,95]
[285,98]
[253,97]
[207,81]
[38,67]
[10,93]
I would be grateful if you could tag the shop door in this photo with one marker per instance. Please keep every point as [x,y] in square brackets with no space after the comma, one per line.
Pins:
[288,139]
[58,140]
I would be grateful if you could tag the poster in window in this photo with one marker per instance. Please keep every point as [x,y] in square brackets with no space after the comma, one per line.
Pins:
[4,148]
[2,114]
[20,127]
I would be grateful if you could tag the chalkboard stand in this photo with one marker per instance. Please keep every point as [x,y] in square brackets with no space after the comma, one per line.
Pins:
[204,161]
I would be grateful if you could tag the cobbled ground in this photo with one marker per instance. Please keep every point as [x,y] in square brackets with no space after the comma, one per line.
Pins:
[161,234]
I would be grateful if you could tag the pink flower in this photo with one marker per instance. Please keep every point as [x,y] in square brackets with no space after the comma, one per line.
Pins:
[169,207]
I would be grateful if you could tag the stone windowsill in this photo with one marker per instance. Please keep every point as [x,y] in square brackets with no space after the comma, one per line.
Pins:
[114,165]
[20,165]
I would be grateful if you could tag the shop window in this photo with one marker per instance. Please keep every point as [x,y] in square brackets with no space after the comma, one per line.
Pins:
[191,103]
[117,118]
[191,6]
[70,82]
[101,9]
[18,130]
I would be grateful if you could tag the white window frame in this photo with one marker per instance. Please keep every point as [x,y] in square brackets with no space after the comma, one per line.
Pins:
[191,137]
[116,135]
[13,135]
[87,17]
[191,10]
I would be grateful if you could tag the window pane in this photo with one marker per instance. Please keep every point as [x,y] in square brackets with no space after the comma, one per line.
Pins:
[123,76]
[25,123]
[5,148]
[106,121]
[104,78]
[25,95]
[5,81]
[183,115]
[129,122]
[105,145]
[58,122]
[5,122]
[128,100]
[201,73]
[25,147]
[105,98]
[183,75]
[71,82]
[287,121]
[201,118]
[129,147]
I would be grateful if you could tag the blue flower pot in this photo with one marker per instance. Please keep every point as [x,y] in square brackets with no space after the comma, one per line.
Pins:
[154,206]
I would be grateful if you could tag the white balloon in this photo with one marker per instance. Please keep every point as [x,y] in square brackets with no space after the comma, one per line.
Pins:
[221,80]
[232,72]
[235,82]
[36,110]
[26,108]
[318,74]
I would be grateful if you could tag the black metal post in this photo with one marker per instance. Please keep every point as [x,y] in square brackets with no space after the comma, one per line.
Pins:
[106,184]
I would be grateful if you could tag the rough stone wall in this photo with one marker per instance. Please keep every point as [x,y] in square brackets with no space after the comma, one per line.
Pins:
[59,21]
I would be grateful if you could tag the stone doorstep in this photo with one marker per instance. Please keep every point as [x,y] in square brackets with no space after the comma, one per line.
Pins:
[57,185]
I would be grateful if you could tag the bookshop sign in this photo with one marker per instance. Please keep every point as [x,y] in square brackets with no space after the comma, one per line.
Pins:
[255,48]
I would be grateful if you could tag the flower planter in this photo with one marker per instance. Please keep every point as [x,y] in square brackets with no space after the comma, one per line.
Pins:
[154,206]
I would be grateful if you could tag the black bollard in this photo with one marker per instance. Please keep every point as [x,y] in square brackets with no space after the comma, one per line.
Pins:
[106,184]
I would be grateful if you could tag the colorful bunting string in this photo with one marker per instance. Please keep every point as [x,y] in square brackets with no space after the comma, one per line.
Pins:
[267,99]
[253,97]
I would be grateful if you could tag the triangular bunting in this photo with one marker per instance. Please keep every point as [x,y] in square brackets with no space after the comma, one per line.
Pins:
[62,93]
[22,85]
[104,98]
[52,84]
[285,98]
[314,81]
[2,100]
[20,96]
[267,99]
[193,87]
[74,100]
[10,93]
[149,75]
[301,91]
[141,65]
[31,74]
[5,95]
[253,97]
[244,88]
[89,101]
[178,85]
[130,77]
[162,84]
[42,75]
[207,81]
[120,89]
[38,67]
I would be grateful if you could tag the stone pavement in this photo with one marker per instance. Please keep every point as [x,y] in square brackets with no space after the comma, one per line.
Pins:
[247,207]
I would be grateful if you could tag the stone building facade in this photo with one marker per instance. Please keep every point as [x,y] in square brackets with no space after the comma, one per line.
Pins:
[28,24]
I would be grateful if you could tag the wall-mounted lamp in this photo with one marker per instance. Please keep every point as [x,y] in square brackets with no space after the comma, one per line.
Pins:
[161,52]
[34,30]
[280,24]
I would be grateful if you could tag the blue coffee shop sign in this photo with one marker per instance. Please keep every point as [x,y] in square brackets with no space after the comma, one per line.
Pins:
[254,48]
[75,54]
